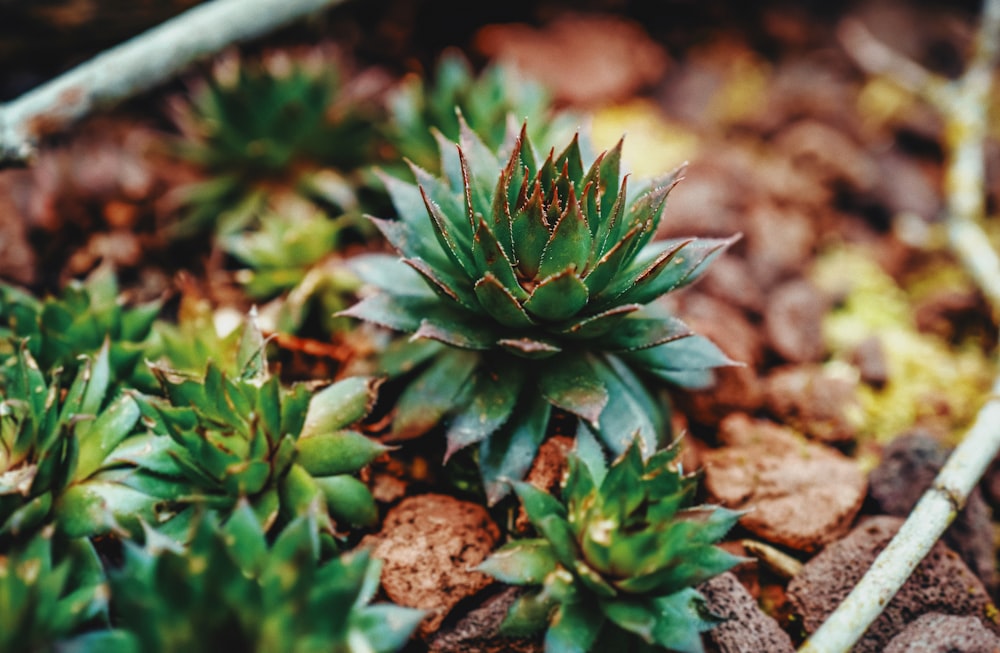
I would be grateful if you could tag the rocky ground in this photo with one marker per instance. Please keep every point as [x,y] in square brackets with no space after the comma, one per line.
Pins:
[867,350]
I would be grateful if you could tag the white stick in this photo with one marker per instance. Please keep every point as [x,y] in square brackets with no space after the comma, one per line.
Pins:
[138,64]
[964,106]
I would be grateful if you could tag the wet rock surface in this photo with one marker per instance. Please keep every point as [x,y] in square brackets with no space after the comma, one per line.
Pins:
[797,493]
[941,583]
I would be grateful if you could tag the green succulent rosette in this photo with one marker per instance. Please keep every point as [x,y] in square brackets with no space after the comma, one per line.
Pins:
[228,437]
[59,330]
[527,286]
[232,589]
[616,559]
[258,129]
[54,597]
[422,116]
[63,457]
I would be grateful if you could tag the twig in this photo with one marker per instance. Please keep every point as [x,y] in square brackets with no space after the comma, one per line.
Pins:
[138,64]
[963,103]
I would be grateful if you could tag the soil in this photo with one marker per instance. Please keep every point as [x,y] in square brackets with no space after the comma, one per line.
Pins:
[854,325]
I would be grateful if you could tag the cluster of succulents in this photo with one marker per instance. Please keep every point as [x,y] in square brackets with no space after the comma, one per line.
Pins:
[233,589]
[533,278]
[616,558]
[162,490]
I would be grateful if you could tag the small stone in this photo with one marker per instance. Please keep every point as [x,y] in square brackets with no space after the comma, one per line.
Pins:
[941,583]
[745,628]
[793,321]
[430,546]
[945,633]
[780,243]
[869,357]
[546,472]
[798,494]
[816,401]
[476,631]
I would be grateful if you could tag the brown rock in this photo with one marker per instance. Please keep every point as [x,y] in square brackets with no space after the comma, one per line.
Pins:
[814,401]
[945,633]
[546,472]
[709,202]
[941,583]
[869,357]
[476,630]
[793,321]
[430,545]
[828,153]
[798,494]
[729,280]
[736,388]
[780,242]
[746,629]
[909,465]
[563,57]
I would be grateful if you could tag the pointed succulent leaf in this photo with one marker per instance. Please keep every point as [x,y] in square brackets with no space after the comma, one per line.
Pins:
[447,286]
[595,326]
[521,562]
[530,233]
[683,269]
[492,401]
[570,382]
[501,304]
[690,353]
[433,393]
[528,614]
[630,411]
[348,500]
[490,257]
[569,244]
[99,437]
[641,333]
[558,297]
[337,452]
[339,405]
[390,273]
[529,347]
[574,628]
[508,453]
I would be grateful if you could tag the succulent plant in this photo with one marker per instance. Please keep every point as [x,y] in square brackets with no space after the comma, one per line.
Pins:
[617,558]
[244,436]
[259,128]
[54,600]
[421,117]
[525,286]
[292,256]
[60,330]
[60,452]
[232,590]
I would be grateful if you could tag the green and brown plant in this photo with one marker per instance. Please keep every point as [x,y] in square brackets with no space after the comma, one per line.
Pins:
[527,286]
[616,559]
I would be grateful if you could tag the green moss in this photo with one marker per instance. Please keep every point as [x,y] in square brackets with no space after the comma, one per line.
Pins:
[931,382]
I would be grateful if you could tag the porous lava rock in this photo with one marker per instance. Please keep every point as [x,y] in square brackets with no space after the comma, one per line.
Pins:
[796,493]
[430,546]
[940,583]
[945,633]
[793,321]
[475,631]
[745,628]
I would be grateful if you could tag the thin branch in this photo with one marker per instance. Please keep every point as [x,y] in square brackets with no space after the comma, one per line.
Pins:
[139,64]
[964,105]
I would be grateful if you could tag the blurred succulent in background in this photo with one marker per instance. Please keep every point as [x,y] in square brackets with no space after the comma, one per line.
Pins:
[58,331]
[54,600]
[294,256]
[525,286]
[617,558]
[61,455]
[420,115]
[244,436]
[233,591]
[284,124]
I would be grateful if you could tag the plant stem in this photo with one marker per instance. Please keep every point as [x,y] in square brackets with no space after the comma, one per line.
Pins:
[139,64]
[963,103]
